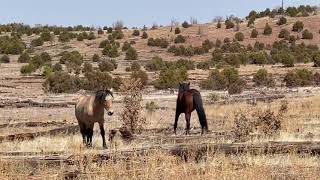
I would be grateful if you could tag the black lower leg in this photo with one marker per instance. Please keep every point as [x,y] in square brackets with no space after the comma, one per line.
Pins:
[102,132]
[176,122]
[188,116]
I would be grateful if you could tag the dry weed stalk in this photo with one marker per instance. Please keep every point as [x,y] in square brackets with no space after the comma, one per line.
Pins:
[131,113]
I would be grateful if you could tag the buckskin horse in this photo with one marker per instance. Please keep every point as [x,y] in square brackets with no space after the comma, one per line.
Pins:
[189,100]
[89,110]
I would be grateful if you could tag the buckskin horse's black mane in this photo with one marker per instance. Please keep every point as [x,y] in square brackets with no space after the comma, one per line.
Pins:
[102,94]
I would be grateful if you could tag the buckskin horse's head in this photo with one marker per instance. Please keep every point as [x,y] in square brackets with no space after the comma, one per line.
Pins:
[184,87]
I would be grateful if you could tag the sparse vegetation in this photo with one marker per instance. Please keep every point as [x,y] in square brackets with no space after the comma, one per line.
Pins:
[5,59]
[254,33]
[263,78]
[267,30]
[298,26]
[131,54]
[136,32]
[282,21]
[306,34]
[158,42]
[180,39]
[239,36]
[298,77]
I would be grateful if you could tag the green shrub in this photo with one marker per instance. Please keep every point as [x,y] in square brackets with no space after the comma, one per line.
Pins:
[47,70]
[111,51]
[91,36]
[45,57]
[96,58]
[109,30]
[37,42]
[254,33]
[36,61]
[227,79]
[159,42]
[64,37]
[144,35]
[239,36]
[171,77]
[226,40]
[27,69]
[117,34]
[182,63]
[97,80]
[267,30]
[218,43]
[316,59]
[136,32]
[287,59]
[61,82]
[131,54]
[57,67]
[73,61]
[104,43]
[229,24]
[298,77]
[258,58]
[87,67]
[106,66]
[263,78]
[205,65]
[251,22]
[80,37]
[46,35]
[116,83]
[140,75]
[126,46]
[207,45]
[306,34]
[5,59]
[284,34]
[297,26]
[180,39]
[155,64]
[151,106]
[135,66]
[177,30]
[282,21]
[24,58]
[185,24]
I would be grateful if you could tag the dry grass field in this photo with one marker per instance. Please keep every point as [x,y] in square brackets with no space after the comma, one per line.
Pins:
[40,139]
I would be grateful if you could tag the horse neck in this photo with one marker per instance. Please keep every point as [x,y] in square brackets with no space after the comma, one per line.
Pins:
[98,107]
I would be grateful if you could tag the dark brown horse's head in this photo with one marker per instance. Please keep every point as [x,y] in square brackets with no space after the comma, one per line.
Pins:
[105,98]
[184,87]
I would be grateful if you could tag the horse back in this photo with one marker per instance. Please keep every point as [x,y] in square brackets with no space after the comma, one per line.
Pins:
[84,107]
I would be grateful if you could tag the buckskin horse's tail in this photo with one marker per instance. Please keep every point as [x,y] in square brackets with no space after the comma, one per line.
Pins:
[197,100]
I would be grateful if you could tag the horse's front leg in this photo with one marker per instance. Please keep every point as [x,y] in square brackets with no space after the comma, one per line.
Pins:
[102,132]
[188,117]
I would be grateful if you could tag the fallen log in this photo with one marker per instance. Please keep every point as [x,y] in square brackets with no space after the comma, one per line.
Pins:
[68,129]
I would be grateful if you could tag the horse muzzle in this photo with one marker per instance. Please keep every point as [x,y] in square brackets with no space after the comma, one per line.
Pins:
[110,113]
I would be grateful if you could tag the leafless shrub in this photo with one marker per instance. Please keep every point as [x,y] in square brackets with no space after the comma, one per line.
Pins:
[131,113]
[118,24]
[193,20]
[266,122]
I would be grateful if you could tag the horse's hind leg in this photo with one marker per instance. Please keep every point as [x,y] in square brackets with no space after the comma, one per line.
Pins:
[83,132]
[188,117]
[102,132]
[176,121]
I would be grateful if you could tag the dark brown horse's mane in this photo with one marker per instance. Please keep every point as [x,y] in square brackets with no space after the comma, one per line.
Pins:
[102,94]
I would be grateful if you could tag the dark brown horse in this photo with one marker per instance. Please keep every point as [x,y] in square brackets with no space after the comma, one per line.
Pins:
[189,100]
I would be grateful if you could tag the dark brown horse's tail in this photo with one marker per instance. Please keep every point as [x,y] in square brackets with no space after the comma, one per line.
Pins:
[197,100]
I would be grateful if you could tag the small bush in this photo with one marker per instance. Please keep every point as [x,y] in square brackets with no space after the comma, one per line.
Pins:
[135,66]
[159,42]
[64,37]
[239,36]
[97,80]
[117,34]
[46,36]
[136,32]
[316,59]
[100,32]
[96,58]
[27,69]
[219,25]
[171,77]
[37,42]
[282,21]
[106,66]
[155,64]
[104,43]
[91,36]
[205,65]
[140,75]
[126,46]
[229,24]
[61,82]
[45,57]
[185,24]
[110,51]
[180,39]
[263,78]
[267,30]
[218,43]
[131,54]
[287,59]
[298,77]
[297,26]
[24,58]
[284,34]
[57,67]
[258,58]
[87,67]
[5,59]
[177,30]
[254,33]
[306,34]
[144,35]
[73,61]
